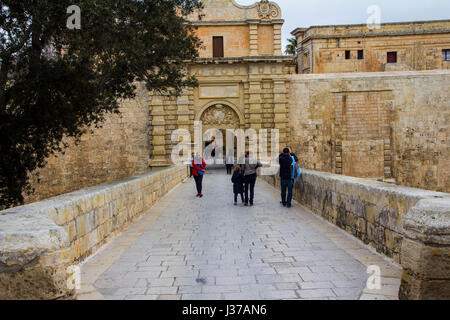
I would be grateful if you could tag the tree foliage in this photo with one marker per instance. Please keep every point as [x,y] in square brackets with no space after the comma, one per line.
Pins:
[55,82]
[291,47]
[291,50]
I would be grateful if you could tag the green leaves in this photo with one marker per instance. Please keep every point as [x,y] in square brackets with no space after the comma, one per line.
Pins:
[55,82]
[291,48]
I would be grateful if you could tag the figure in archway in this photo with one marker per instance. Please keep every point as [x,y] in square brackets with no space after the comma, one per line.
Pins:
[216,119]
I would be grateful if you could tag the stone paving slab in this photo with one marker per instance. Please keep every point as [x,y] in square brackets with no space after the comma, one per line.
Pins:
[207,249]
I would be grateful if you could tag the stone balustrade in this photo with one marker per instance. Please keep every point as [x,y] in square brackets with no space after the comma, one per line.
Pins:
[412,226]
[41,240]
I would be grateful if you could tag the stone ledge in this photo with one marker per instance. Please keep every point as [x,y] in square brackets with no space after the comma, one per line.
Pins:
[364,75]
[429,222]
[26,236]
[33,250]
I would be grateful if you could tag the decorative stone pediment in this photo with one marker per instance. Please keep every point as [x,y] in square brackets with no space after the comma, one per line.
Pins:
[267,10]
[229,10]
[220,115]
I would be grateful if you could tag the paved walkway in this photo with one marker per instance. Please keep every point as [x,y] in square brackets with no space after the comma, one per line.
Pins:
[191,248]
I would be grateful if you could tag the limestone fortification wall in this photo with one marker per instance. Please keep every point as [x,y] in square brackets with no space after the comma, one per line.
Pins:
[390,125]
[39,241]
[417,46]
[119,149]
[410,225]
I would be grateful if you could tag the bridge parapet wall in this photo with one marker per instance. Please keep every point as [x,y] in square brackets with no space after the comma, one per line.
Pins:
[40,241]
[412,226]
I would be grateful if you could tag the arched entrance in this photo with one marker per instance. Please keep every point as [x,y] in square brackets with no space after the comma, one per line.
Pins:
[219,116]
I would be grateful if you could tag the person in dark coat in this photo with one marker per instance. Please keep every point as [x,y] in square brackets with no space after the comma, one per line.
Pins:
[238,184]
[250,166]
[286,160]
[229,164]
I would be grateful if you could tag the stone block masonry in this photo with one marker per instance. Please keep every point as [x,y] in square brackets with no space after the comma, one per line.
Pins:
[39,241]
[354,48]
[426,251]
[119,149]
[391,126]
[412,226]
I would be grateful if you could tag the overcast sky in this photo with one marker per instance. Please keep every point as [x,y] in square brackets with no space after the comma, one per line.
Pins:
[305,13]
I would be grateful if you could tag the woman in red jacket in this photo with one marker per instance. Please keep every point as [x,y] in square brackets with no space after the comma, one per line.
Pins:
[198,170]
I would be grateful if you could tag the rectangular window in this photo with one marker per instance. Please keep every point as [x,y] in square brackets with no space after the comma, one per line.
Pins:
[360,54]
[446,55]
[392,57]
[347,55]
[217,47]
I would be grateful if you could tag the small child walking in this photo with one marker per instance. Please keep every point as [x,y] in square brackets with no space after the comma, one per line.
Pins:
[238,183]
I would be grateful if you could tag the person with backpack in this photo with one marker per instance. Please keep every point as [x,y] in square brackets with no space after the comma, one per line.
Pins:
[198,170]
[289,171]
[238,184]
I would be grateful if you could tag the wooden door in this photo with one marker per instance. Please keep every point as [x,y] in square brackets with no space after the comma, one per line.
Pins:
[217,47]
[392,57]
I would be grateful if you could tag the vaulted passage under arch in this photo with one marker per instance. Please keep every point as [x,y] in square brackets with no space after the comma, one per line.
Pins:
[216,120]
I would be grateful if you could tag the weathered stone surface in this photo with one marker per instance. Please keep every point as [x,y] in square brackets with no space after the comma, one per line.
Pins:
[427,262]
[25,236]
[30,242]
[426,251]
[412,288]
[418,46]
[429,221]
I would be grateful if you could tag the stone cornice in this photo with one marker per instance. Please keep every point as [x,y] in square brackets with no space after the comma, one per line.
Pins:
[298,30]
[242,59]
[382,24]
[234,22]
[374,34]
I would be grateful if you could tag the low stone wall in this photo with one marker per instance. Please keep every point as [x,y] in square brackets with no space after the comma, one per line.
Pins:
[412,226]
[39,241]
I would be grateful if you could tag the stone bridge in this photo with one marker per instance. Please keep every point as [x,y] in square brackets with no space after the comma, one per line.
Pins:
[149,237]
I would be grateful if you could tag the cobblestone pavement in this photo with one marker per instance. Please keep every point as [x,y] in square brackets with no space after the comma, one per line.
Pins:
[192,248]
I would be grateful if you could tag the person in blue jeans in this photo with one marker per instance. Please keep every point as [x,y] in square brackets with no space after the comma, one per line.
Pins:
[286,176]
[250,166]
[198,170]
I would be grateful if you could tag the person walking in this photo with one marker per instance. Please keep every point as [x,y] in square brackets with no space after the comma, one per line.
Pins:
[198,170]
[250,166]
[286,161]
[238,184]
[229,163]
[191,165]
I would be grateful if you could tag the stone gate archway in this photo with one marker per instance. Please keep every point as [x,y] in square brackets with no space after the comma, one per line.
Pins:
[220,116]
